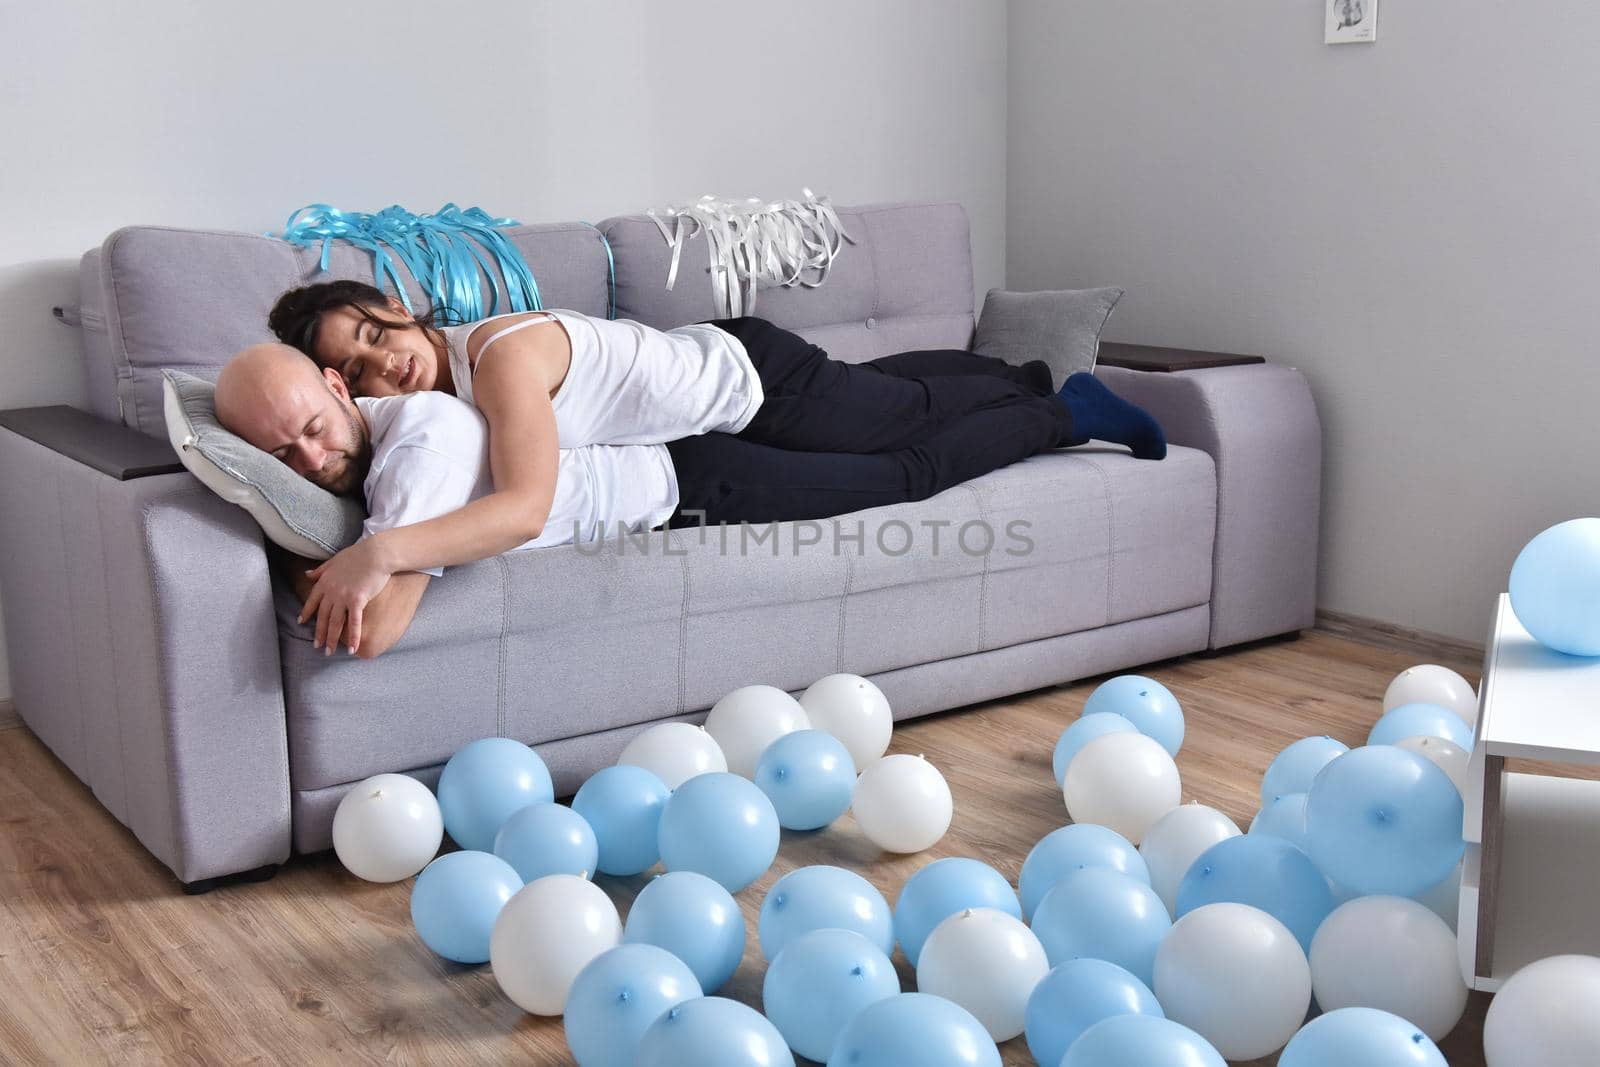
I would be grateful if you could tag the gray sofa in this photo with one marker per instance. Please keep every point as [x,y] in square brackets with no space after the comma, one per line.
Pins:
[153,650]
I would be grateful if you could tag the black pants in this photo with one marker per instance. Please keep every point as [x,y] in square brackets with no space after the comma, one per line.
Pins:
[833,437]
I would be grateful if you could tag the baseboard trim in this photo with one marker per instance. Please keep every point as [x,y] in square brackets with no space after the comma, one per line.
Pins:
[1432,647]
[8,714]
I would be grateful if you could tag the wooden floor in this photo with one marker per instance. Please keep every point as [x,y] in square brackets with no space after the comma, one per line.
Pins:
[102,959]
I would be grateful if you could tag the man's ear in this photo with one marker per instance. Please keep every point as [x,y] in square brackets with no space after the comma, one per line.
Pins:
[336,383]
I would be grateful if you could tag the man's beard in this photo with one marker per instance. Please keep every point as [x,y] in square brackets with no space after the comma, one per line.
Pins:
[357,461]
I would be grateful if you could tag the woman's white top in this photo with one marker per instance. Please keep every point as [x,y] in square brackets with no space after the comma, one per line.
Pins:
[430,456]
[631,384]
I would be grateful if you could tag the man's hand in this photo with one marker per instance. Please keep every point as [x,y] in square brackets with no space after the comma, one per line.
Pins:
[294,568]
[345,584]
[391,612]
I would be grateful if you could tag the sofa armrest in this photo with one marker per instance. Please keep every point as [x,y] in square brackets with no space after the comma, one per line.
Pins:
[109,447]
[1260,427]
[144,652]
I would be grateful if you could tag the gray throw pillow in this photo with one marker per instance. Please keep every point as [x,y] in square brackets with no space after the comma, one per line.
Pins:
[1060,326]
[304,518]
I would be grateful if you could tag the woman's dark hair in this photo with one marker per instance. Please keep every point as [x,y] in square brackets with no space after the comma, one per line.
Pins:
[297,316]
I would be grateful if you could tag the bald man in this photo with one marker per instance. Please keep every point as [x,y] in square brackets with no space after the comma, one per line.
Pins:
[417,456]
[274,397]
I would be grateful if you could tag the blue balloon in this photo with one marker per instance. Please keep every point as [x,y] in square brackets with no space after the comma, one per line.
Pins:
[693,918]
[1264,872]
[1555,587]
[1365,1036]
[1292,770]
[809,777]
[1076,995]
[819,982]
[1384,820]
[914,1028]
[1074,848]
[713,1032]
[456,900]
[484,783]
[1142,1041]
[1105,915]
[546,839]
[1420,720]
[820,898]
[943,888]
[722,826]
[623,804]
[1146,703]
[1284,818]
[616,997]
[1080,733]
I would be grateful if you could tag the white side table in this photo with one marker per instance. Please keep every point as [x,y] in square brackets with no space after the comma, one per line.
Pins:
[1532,868]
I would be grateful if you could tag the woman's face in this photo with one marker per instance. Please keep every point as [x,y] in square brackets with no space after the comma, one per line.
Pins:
[376,359]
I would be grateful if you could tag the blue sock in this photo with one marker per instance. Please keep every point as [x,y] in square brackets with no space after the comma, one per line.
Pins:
[1099,413]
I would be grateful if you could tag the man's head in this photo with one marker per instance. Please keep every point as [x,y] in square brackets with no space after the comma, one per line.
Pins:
[277,399]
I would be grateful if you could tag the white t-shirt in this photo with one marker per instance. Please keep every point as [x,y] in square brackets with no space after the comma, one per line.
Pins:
[631,384]
[430,456]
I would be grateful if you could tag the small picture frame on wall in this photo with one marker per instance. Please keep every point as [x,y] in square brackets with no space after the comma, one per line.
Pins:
[1351,22]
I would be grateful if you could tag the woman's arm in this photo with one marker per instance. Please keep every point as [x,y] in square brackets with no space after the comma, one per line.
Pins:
[514,396]
[524,447]
[388,614]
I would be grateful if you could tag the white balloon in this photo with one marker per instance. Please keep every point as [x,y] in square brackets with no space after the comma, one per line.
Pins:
[1433,684]
[1544,1015]
[853,710]
[1236,976]
[1392,954]
[1444,899]
[387,827]
[902,804]
[675,752]
[1448,756]
[1124,781]
[750,718]
[1176,840]
[545,935]
[986,961]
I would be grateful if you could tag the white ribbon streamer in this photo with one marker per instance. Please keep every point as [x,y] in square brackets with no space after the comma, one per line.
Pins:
[753,243]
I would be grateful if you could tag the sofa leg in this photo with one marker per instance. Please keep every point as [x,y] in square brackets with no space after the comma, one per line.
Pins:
[1259,642]
[206,885]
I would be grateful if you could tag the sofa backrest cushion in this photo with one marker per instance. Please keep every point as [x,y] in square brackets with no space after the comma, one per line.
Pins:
[156,297]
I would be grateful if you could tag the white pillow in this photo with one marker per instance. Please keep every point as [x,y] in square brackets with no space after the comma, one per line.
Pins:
[301,517]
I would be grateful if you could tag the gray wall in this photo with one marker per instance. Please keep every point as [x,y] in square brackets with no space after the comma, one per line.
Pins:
[1413,223]
[231,116]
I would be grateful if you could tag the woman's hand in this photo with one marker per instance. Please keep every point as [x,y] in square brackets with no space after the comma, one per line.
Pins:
[345,584]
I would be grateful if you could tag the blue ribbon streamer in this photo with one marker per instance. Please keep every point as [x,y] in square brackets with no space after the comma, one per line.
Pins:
[449,253]
[611,271]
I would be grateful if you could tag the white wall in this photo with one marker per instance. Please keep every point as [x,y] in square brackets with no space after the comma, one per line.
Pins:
[1413,223]
[233,115]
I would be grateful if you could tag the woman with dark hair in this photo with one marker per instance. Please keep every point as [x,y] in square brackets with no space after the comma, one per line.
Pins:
[739,395]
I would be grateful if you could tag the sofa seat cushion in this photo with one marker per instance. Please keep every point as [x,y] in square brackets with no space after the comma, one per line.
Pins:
[554,643]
